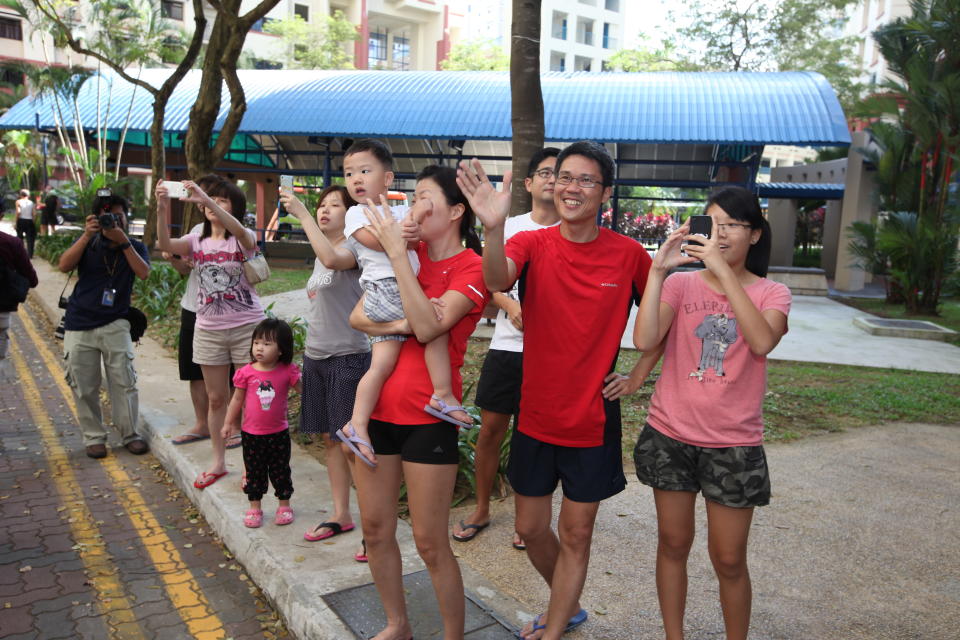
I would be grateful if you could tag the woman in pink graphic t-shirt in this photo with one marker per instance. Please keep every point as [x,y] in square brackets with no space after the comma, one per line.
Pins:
[704,431]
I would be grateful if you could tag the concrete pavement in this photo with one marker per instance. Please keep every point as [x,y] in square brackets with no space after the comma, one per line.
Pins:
[855,545]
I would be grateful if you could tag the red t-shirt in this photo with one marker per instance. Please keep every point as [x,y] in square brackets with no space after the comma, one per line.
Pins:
[710,392]
[576,302]
[408,389]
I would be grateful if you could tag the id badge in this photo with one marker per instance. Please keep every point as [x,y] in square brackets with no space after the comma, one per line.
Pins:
[109,295]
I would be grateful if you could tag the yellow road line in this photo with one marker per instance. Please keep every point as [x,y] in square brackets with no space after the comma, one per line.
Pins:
[181,587]
[111,599]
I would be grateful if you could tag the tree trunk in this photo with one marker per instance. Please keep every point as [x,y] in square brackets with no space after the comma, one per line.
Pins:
[526,96]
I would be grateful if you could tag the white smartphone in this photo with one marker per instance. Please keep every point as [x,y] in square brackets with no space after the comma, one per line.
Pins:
[286,182]
[175,189]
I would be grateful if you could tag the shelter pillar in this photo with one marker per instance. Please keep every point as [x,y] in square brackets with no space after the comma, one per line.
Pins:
[831,238]
[858,206]
[782,215]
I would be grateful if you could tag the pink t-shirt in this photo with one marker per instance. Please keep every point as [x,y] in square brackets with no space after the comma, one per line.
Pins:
[265,403]
[224,299]
[710,392]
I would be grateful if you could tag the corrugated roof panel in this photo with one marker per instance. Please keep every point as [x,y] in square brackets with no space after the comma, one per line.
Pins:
[755,108]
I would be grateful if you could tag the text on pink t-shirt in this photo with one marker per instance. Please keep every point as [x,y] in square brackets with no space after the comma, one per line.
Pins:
[710,392]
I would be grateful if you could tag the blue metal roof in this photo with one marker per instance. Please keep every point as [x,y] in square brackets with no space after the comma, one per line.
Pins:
[800,190]
[792,108]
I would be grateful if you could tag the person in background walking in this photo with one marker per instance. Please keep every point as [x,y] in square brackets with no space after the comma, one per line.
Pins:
[26,227]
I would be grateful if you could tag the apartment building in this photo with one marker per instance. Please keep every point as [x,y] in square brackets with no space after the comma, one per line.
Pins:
[575,35]
[864,18]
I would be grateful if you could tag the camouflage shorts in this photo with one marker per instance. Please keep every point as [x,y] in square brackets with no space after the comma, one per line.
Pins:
[731,476]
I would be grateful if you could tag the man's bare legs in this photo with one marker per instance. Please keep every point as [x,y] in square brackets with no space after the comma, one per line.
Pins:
[566,555]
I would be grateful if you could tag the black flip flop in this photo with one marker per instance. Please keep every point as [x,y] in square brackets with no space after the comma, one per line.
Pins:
[477,528]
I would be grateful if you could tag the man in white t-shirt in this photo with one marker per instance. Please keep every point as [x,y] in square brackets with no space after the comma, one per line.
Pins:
[26,227]
[498,391]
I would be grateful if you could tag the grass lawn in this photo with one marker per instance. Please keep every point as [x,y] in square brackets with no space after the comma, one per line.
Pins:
[803,399]
[285,279]
[949,311]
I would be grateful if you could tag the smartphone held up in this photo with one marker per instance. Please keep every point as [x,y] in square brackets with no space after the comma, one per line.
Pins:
[286,185]
[699,226]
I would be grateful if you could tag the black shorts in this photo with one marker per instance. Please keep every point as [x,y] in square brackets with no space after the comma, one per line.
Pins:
[432,443]
[189,370]
[586,474]
[732,476]
[499,387]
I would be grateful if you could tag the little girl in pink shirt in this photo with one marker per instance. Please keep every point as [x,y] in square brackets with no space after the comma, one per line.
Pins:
[260,394]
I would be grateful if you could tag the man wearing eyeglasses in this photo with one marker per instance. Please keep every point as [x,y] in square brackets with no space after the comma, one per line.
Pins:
[577,282]
[498,390]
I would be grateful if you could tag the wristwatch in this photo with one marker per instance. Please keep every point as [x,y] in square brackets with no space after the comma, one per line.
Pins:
[124,246]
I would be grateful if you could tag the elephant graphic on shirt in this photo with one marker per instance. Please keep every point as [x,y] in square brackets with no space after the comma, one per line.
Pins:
[717,332]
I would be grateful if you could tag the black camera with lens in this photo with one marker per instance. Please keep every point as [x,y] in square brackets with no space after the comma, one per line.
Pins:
[64,302]
[106,219]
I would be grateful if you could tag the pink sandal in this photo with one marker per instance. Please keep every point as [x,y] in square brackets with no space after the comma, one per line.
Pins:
[284,515]
[253,518]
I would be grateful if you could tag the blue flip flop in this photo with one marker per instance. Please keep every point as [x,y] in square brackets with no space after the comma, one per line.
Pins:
[572,624]
[444,412]
[354,438]
[187,438]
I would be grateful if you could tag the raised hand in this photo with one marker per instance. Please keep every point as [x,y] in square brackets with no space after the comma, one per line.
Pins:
[292,205]
[384,227]
[490,206]
[668,255]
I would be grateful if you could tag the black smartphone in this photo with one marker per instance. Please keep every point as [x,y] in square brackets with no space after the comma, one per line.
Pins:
[699,226]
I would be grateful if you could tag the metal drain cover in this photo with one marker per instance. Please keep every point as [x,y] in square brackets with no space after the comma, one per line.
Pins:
[360,609]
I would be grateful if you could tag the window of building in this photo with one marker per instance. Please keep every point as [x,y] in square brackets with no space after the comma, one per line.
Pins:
[558,61]
[171,10]
[582,63]
[10,29]
[866,15]
[612,5]
[401,53]
[11,77]
[260,24]
[303,11]
[592,3]
[585,31]
[559,30]
[377,47]
[881,5]
[609,40]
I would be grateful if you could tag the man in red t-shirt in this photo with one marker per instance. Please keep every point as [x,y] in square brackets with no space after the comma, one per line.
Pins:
[577,282]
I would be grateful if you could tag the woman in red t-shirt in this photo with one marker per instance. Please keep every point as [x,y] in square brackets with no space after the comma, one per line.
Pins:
[448,296]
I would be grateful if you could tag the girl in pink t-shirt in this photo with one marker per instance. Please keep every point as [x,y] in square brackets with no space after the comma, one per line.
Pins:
[260,394]
[704,430]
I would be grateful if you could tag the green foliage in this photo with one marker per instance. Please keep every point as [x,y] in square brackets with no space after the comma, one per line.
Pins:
[318,44]
[160,292]
[772,35]
[645,58]
[476,55]
[21,157]
[50,248]
[916,132]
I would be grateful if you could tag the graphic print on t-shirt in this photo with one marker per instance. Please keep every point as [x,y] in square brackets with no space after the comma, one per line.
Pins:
[220,288]
[717,332]
[266,393]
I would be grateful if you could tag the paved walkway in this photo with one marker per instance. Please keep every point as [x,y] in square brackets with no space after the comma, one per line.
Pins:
[94,549]
[859,541]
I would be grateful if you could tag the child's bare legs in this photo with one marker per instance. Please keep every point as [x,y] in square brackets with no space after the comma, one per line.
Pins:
[383,358]
[437,359]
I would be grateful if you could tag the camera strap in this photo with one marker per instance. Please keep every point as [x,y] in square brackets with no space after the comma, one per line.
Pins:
[64,290]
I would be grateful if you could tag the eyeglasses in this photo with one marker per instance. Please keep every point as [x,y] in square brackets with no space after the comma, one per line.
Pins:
[544,174]
[584,182]
[730,226]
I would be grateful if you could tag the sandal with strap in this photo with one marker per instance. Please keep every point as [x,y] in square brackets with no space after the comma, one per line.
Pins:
[335,529]
[445,410]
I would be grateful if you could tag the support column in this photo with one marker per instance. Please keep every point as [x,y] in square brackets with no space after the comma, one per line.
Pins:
[831,238]
[782,215]
[857,206]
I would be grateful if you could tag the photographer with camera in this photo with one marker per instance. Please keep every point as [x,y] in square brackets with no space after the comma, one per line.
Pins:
[96,324]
